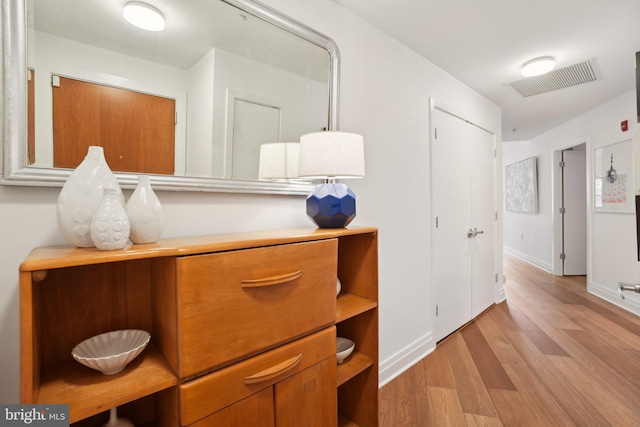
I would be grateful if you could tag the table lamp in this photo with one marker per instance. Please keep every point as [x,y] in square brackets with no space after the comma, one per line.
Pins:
[278,161]
[331,155]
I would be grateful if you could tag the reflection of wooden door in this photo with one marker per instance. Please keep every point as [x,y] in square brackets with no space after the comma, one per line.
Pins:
[136,130]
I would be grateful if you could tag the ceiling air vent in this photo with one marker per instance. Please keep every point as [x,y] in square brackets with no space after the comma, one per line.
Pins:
[572,75]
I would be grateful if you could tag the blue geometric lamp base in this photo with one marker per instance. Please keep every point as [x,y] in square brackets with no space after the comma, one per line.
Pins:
[331,205]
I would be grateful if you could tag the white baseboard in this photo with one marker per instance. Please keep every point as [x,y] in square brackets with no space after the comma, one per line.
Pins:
[405,358]
[629,304]
[528,259]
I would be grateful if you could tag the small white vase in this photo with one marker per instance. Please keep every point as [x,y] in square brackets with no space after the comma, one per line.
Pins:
[145,213]
[81,195]
[110,226]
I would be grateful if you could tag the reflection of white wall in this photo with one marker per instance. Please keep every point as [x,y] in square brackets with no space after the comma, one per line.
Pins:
[200,117]
[55,55]
[303,102]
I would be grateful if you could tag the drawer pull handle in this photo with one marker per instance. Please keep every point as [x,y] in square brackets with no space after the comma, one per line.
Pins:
[274,371]
[272,281]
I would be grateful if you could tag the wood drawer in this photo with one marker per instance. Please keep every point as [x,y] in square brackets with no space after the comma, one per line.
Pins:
[206,395]
[232,305]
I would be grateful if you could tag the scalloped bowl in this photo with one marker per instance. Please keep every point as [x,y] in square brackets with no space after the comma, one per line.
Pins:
[110,352]
[344,347]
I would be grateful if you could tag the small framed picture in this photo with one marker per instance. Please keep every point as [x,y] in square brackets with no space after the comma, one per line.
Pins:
[614,178]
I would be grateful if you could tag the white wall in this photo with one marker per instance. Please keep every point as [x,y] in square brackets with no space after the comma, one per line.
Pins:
[612,254]
[385,90]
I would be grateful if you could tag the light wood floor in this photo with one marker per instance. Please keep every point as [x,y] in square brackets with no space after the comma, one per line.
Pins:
[551,355]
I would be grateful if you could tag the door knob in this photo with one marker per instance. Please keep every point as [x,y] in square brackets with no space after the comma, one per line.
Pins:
[622,286]
[474,232]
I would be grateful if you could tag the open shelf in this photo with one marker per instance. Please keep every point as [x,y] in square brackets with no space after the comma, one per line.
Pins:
[352,366]
[89,392]
[345,422]
[349,305]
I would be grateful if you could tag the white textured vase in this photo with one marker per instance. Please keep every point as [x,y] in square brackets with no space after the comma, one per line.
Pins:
[81,196]
[145,213]
[110,226]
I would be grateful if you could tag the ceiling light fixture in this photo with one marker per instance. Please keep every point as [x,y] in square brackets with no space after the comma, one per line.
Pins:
[538,66]
[144,16]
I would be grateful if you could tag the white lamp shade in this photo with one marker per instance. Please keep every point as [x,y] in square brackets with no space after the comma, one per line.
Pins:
[331,154]
[278,161]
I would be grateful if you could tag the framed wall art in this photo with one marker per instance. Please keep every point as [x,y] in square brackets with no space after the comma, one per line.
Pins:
[614,179]
[521,186]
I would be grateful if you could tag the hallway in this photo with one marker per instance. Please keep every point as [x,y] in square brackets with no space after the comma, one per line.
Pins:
[551,355]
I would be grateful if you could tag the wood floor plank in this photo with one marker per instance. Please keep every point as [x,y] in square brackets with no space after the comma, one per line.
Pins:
[413,407]
[473,394]
[473,420]
[492,328]
[513,410]
[568,397]
[387,404]
[487,363]
[437,369]
[617,412]
[536,396]
[446,408]
[533,331]
[596,366]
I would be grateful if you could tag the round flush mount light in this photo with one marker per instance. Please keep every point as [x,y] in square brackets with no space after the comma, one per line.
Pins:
[538,66]
[143,15]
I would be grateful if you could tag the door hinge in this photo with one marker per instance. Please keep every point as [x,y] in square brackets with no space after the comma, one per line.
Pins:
[436,222]
[436,309]
[495,153]
[496,277]
[175,119]
[496,215]
[561,164]
[435,133]
[563,210]
[563,256]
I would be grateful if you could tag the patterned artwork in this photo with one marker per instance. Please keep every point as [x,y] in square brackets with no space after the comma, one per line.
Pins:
[613,178]
[521,186]
[615,192]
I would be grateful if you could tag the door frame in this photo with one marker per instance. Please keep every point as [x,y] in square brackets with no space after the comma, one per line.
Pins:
[556,203]
[498,196]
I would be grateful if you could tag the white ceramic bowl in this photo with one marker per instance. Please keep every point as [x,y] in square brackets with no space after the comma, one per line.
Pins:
[344,347]
[110,352]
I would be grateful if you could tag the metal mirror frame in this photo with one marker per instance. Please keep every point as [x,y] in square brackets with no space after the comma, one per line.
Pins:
[14,110]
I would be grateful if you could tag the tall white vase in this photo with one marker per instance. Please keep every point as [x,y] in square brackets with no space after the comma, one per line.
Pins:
[145,213]
[81,195]
[110,225]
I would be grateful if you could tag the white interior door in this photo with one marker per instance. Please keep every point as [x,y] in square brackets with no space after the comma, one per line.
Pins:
[574,230]
[463,199]
[253,125]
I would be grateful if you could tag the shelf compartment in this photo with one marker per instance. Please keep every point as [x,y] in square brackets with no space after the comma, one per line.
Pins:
[350,305]
[89,392]
[352,366]
[345,422]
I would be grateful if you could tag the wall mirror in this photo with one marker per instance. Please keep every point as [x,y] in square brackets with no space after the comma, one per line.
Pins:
[190,104]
